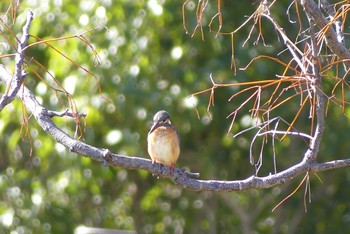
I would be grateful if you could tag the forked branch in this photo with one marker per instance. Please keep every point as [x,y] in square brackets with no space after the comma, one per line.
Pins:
[332,37]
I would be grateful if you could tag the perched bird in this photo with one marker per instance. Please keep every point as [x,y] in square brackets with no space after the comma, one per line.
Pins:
[163,140]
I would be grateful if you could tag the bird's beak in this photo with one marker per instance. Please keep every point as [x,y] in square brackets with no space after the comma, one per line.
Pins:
[154,126]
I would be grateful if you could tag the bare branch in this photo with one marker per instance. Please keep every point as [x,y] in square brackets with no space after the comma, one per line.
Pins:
[318,167]
[13,85]
[337,48]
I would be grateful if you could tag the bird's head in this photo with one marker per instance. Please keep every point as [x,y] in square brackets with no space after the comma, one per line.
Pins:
[161,118]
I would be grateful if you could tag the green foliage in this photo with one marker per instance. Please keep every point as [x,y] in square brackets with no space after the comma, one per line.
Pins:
[146,62]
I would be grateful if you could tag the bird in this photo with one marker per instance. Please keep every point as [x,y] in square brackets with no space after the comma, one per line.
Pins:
[163,141]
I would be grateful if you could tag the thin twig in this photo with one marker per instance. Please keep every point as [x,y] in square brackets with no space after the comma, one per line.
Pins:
[66,112]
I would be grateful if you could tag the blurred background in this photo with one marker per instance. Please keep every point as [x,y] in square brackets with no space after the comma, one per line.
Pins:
[145,62]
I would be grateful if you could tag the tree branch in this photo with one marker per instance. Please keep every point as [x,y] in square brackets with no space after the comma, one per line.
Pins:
[312,76]
[13,85]
[332,39]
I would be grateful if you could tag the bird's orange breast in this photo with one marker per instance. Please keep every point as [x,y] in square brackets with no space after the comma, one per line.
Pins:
[164,145]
